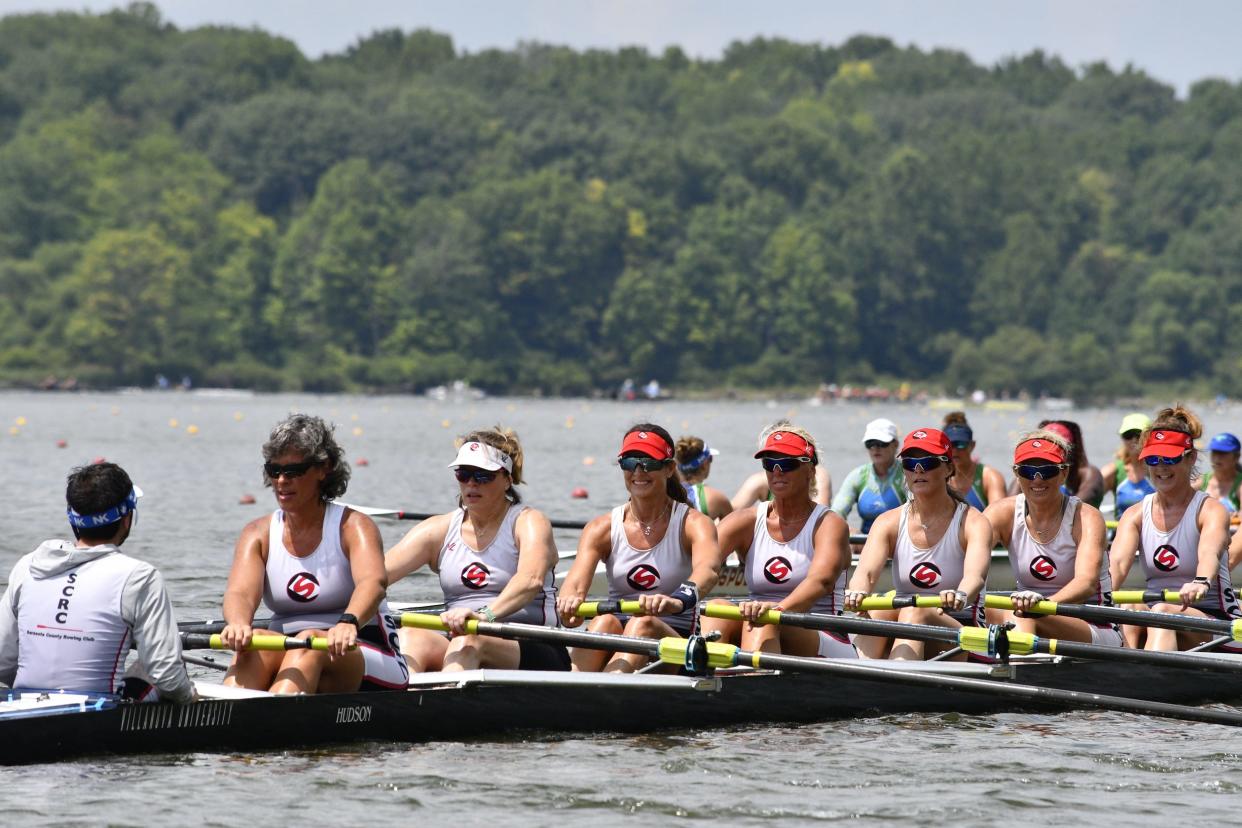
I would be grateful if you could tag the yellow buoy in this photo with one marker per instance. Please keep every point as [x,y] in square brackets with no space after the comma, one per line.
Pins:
[173,423]
[353,417]
[357,431]
[445,423]
[14,430]
[237,415]
[569,422]
[588,460]
[21,421]
[191,429]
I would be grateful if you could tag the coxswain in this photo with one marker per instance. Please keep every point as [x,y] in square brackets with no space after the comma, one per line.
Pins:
[1056,544]
[939,545]
[694,464]
[1180,532]
[1126,476]
[875,486]
[1225,477]
[655,549]
[494,558]
[795,553]
[73,608]
[318,567]
[755,487]
[977,484]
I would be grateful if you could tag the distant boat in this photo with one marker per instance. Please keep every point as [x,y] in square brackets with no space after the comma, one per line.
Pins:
[458,391]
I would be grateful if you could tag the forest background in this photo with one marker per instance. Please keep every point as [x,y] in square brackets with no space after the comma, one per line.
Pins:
[211,203]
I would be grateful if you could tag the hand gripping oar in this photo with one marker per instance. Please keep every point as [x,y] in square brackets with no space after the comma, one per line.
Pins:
[994,641]
[1113,615]
[1147,596]
[696,654]
[202,641]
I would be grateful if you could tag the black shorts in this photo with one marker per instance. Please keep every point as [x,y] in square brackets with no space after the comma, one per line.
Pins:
[540,655]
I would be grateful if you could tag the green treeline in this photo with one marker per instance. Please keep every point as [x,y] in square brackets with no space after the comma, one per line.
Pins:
[212,203]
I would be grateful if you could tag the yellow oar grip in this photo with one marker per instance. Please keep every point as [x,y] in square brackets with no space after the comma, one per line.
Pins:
[269,642]
[430,621]
[1137,596]
[1236,630]
[977,640]
[728,612]
[885,602]
[673,651]
[1004,602]
[591,609]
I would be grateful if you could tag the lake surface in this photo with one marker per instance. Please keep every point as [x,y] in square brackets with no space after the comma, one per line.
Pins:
[196,454]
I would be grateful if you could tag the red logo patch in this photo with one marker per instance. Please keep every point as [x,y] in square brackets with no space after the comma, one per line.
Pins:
[1166,558]
[1044,568]
[926,575]
[777,570]
[303,587]
[474,575]
[644,577]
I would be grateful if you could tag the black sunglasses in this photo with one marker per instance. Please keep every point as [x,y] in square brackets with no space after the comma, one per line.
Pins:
[922,464]
[874,444]
[290,470]
[1039,471]
[647,464]
[785,464]
[480,476]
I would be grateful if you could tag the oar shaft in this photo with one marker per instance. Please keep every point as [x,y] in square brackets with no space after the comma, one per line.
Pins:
[530,632]
[1114,615]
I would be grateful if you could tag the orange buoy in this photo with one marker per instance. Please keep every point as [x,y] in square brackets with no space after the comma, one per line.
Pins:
[245,500]
[362,461]
[579,493]
[61,444]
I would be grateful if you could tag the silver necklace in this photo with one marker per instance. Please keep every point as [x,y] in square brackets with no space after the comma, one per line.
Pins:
[648,526]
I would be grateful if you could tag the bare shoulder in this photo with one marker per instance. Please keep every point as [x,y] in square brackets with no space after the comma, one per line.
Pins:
[531,518]
[357,520]
[1001,510]
[256,530]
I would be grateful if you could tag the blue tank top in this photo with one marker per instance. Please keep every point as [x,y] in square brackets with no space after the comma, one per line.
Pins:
[696,494]
[1128,492]
[873,503]
[975,495]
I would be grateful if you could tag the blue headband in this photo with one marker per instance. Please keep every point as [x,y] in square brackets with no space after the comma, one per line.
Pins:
[129,504]
[691,465]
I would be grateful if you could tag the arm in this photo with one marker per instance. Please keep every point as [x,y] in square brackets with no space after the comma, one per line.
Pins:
[245,585]
[1089,533]
[8,624]
[1091,486]
[978,537]
[1235,551]
[876,552]
[1125,545]
[1000,517]
[718,505]
[993,485]
[145,607]
[847,495]
[823,485]
[1213,522]
[594,544]
[420,547]
[751,491]
[1108,477]
[361,542]
[536,558]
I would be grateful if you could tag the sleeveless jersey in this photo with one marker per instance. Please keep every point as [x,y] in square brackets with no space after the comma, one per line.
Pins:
[696,493]
[1047,567]
[1127,491]
[72,633]
[311,592]
[1171,558]
[877,497]
[474,578]
[655,571]
[918,571]
[775,569]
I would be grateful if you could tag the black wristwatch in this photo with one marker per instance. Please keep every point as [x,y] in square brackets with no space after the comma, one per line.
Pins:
[349,618]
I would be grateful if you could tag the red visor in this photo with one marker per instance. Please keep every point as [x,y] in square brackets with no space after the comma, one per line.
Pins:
[1062,431]
[1038,450]
[786,443]
[648,443]
[931,440]
[1164,443]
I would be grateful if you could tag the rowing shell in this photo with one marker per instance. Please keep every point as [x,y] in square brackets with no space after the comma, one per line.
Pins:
[492,703]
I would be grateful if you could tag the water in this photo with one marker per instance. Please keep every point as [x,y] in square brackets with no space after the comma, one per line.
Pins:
[976,770]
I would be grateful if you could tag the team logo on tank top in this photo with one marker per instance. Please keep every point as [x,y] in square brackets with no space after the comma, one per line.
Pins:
[303,587]
[1044,568]
[925,575]
[1166,558]
[777,570]
[644,577]
[474,575]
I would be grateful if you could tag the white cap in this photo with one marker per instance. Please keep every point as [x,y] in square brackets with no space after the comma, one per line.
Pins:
[482,456]
[883,430]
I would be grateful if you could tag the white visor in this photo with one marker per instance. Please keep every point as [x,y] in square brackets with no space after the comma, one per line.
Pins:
[482,456]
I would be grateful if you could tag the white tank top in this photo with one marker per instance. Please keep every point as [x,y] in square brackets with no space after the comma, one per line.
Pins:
[655,571]
[775,569]
[474,579]
[311,592]
[72,633]
[918,571]
[1170,559]
[1047,567]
